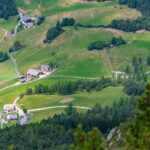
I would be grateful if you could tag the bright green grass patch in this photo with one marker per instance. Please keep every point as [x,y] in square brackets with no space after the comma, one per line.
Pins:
[8,24]
[105,97]
[44,114]
[7,71]
[86,64]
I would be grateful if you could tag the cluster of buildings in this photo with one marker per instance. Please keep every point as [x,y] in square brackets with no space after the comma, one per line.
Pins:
[36,73]
[28,21]
[11,113]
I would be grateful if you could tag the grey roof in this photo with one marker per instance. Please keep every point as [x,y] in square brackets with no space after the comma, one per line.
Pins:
[26,18]
[33,72]
[45,67]
[13,116]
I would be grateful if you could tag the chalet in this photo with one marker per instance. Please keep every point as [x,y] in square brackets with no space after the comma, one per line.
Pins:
[12,116]
[45,68]
[24,120]
[28,21]
[33,73]
[10,108]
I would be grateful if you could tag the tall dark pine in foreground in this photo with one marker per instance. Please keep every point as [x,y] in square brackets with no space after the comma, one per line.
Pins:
[138,136]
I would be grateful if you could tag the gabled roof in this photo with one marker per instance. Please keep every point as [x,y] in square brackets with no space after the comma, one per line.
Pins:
[12,116]
[10,107]
[33,72]
[26,18]
[45,67]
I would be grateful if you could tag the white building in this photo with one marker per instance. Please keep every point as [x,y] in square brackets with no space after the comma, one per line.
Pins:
[10,108]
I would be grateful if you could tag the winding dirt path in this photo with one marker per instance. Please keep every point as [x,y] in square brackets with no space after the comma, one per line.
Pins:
[55,107]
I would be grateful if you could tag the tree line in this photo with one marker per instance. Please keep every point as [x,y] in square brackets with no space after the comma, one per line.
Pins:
[135,132]
[3,56]
[54,32]
[70,87]
[16,46]
[131,86]
[134,24]
[99,45]
[57,133]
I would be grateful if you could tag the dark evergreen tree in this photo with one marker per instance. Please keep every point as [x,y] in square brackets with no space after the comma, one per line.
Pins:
[138,136]
[7,8]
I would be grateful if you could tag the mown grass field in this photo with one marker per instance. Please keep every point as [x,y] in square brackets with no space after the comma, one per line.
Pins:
[7,72]
[79,99]
[44,114]
[106,97]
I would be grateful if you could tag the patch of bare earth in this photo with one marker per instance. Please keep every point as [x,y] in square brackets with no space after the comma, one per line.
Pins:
[27,2]
[66,3]
[22,11]
[67,100]
[115,31]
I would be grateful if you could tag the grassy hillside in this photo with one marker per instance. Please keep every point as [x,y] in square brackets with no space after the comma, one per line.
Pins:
[138,47]
[70,53]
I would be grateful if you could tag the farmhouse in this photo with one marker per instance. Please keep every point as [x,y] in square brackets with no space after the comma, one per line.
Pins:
[10,108]
[28,21]
[33,73]
[12,116]
[45,68]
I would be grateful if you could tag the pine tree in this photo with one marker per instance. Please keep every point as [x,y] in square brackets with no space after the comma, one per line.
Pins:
[79,136]
[90,141]
[138,136]
[94,140]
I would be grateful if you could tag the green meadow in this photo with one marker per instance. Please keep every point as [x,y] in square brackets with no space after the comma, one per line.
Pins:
[139,47]
[44,114]
[79,99]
